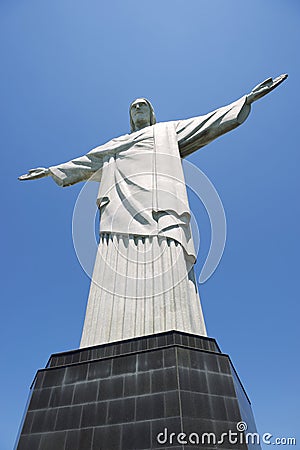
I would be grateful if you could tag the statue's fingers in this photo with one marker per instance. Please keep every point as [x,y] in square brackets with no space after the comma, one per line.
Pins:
[283,76]
[280,79]
[38,169]
[267,82]
[23,177]
[30,176]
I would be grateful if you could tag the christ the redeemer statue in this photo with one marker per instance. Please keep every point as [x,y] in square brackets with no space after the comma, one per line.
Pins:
[143,280]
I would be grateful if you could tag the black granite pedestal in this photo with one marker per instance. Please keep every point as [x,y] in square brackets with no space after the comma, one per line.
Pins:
[170,390]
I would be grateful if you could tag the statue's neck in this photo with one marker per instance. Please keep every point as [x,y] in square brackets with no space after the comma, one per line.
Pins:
[141,125]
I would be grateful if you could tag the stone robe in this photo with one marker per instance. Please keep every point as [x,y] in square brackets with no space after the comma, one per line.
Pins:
[144,210]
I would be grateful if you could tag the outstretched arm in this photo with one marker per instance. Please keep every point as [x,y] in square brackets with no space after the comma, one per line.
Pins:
[80,169]
[195,133]
[71,172]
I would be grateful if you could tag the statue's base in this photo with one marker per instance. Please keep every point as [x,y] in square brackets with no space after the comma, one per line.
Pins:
[138,394]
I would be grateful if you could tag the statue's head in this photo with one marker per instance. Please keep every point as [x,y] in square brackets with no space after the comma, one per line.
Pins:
[141,114]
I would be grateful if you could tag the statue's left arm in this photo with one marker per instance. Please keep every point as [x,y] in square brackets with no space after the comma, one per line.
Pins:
[195,133]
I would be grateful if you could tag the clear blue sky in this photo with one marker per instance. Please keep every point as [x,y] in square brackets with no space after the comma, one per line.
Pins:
[69,70]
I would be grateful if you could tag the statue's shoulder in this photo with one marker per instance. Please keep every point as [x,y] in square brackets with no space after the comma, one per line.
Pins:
[123,137]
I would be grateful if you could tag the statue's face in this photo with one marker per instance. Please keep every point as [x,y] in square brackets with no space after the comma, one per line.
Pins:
[140,113]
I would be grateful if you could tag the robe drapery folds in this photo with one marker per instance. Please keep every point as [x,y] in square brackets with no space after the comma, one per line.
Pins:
[143,193]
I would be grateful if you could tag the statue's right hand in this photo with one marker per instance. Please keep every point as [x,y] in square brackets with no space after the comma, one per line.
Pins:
[34,174]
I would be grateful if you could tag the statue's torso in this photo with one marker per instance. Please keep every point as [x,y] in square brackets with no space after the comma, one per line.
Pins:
[132,182]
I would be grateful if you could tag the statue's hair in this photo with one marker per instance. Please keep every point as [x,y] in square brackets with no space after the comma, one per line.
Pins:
[152,113]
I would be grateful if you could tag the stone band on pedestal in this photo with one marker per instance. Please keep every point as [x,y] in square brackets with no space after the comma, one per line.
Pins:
[137,394]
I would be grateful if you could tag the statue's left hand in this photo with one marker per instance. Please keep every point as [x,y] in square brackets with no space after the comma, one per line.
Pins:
[264,88]
[34,174]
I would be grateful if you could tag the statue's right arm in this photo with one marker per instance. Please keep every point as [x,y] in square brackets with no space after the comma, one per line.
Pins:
[80,169]
[87,167]
[71,172]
